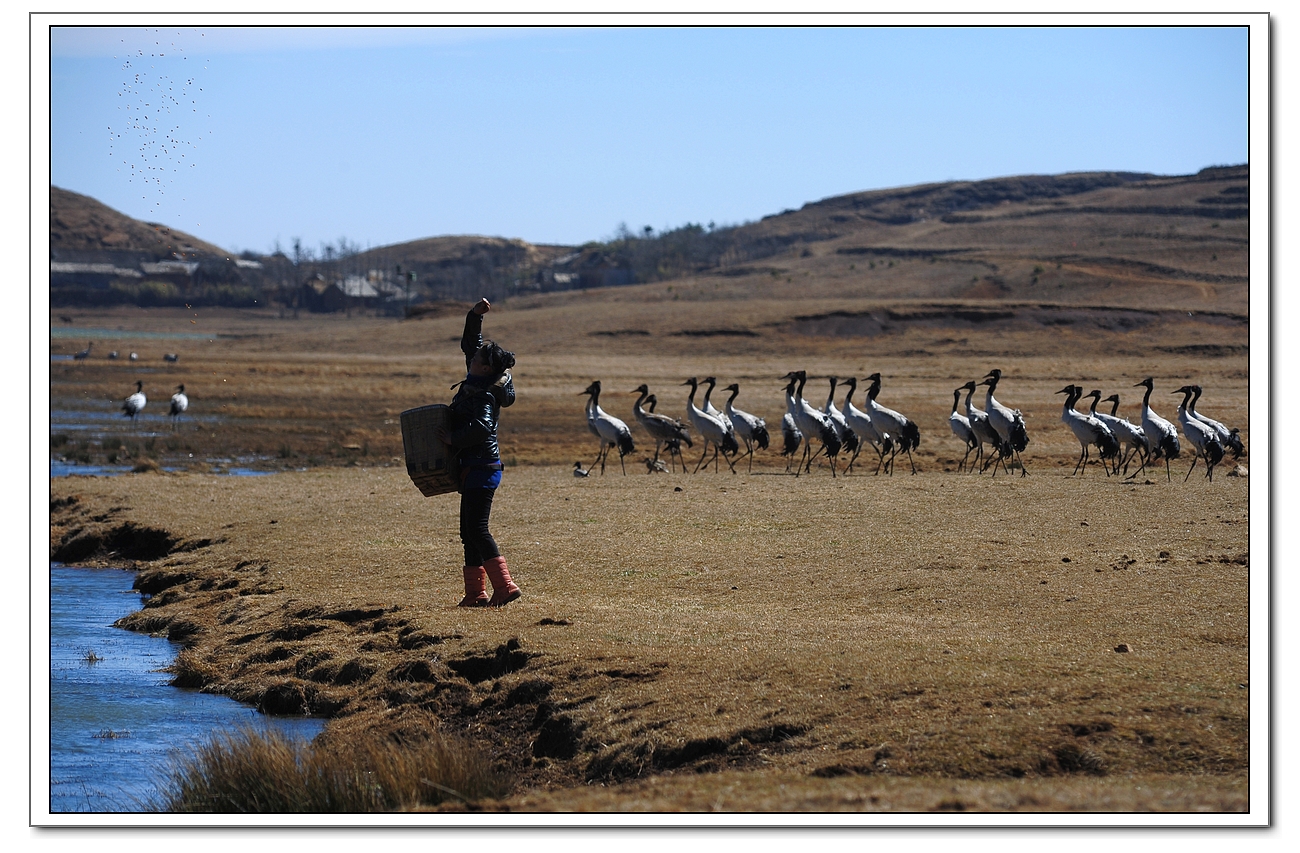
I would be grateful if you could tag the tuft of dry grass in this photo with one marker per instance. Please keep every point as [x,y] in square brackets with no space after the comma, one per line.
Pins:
[253,772]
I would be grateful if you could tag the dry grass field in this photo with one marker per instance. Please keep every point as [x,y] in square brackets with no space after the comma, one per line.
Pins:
[709,642]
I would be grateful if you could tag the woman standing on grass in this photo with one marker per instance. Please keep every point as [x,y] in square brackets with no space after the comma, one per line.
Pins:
[472,433]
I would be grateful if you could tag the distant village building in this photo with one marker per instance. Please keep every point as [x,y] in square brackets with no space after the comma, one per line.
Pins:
[350,292]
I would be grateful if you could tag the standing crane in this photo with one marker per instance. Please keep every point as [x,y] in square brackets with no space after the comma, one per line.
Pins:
[672,445]
[179,404]
[984,434]
[848,438]
[866,432]
[1161,434]
[887,420]
[1201,435]
[1130,436]
[1008,423]
[1229,438]
[85,353]
[811,423]
[714,412]
[134,404]
[960,426]
[661,427]
[751,428]
[611,431]
[791,439]
[1088,430]
[713,431]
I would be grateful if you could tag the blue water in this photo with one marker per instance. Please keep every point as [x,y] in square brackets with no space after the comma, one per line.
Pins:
[115,723]
[63,468]
[115,334]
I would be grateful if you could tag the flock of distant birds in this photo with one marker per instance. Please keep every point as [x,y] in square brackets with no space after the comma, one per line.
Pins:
[1119,443]
[134,404]
[888,433]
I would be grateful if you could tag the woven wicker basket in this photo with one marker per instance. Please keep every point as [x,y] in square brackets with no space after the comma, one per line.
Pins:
[430,463]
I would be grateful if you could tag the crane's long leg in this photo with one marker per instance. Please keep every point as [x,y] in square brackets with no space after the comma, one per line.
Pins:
[848,469]
[1189,470]
[704,454]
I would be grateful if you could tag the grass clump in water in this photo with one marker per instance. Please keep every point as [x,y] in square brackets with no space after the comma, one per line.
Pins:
[252,772]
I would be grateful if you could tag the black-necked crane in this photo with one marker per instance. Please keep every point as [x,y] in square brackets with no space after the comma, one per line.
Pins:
[672,445]
[751,429]
[791,439]
[134,404]
[1229,438]
[84,354]
[1008,423]
[612,431]
[578,472]
[661,427]
[848,438]
[1108,451]
[1161,434]
[1200,435]
[866,432]
[811,422]
[179,404]
[171,357]
[905,432]
[133,357]
[714,412]
[113,354]
[1088,430]
[712,430]
[984,434]
[960,426]
[1130,435]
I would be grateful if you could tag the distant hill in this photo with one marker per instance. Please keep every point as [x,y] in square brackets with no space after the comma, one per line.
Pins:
[81,225]
[1023,237]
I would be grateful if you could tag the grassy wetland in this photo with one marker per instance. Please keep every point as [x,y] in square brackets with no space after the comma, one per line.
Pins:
[698,642]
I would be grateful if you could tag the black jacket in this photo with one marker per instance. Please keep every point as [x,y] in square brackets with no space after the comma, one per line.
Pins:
[473,413]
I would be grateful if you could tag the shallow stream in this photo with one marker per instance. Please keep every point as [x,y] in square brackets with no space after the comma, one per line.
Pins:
[115,723]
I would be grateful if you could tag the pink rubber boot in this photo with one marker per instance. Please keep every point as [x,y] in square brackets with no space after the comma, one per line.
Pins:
[504,590]
[475,587]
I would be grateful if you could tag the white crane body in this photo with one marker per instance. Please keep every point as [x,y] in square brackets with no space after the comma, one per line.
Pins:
[860,422]
[611,431]
[712,430]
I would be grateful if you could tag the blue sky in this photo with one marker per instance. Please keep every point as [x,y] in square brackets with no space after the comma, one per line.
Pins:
[559,135]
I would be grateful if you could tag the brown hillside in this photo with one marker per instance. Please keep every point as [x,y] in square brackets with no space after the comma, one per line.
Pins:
[1109,238]
[79,223]
[452,250]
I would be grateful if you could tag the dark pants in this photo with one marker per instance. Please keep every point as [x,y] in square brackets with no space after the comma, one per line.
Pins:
[475,507]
